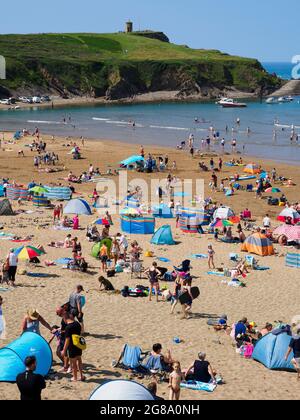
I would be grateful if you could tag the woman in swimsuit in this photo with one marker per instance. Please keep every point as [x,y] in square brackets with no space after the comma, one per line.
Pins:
[153,274]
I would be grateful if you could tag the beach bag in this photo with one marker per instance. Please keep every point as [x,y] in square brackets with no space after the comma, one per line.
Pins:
[168,276]
[149,254]
[79,342]
[125,291]
[111,273]
[119,269]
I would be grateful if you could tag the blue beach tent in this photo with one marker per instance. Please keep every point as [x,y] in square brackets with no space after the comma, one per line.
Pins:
[12,357]
[163,236]
[78,206]
[132,160]
[271,350]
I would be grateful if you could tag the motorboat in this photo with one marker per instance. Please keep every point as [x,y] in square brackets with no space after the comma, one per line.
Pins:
[285,99]
[272,100]
[230,103]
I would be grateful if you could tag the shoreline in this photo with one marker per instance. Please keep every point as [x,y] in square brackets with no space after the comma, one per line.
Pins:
[143,98]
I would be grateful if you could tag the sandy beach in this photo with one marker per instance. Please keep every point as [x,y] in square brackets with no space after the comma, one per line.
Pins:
[112,320]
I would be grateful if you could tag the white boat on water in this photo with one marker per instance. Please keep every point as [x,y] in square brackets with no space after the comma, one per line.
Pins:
[230,103]
[285,99]
[272,101]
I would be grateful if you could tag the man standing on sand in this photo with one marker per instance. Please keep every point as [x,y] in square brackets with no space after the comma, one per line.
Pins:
[295,347]
[76,306]
[13,265]
[30,384]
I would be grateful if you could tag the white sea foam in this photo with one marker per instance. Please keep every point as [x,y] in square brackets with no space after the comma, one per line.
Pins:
[44,122]
[169,128]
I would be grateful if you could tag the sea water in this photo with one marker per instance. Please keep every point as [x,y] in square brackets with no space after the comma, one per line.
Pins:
[168,124]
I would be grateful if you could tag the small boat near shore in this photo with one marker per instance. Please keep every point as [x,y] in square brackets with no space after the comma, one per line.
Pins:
[230,103]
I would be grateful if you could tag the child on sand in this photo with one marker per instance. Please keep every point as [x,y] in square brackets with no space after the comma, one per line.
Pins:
[211,254]
[174,382]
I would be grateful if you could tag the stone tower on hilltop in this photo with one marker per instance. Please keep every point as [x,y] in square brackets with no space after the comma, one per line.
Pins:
[129,27]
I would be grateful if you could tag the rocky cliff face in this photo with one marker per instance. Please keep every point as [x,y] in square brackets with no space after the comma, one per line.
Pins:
[160,36]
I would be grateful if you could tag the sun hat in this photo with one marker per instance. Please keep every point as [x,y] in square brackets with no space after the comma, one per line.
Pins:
[33,314]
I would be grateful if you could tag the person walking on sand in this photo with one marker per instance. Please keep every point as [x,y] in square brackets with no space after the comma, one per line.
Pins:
[72,350]
[29,383]
[174,382]
[295,348]
[211,254]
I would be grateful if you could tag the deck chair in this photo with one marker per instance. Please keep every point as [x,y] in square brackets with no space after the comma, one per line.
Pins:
[137,269]
[250,262]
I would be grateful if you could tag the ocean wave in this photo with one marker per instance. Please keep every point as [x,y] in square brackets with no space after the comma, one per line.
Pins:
[169,128]
[44,122]
[100,119]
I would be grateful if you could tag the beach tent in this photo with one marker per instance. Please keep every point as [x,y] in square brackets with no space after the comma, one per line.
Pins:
[78,206]
[138,225]
[58,193]
[14,193]
[258,244]
[98,245]
[5,208]
[289,214]
[291,232]
[292,260]
[121,390]
[191,219]
[252,169]
[223,213]
[12,356]
[163,236]
[271,350]
[162,211]
[132,160]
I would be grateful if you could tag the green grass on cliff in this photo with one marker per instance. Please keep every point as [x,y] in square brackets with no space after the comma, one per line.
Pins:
[93,47]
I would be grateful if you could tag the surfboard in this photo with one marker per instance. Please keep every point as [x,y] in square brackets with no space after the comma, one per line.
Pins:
[185,297]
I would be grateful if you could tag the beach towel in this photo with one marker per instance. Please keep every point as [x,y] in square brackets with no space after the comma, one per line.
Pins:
[165,260]
[216,273]
[63,261]
[198,256]
[261,268]
[131,357]
[198,386]
[39,275]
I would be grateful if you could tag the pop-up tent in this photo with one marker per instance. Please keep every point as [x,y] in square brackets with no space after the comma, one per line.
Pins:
[289,214]
[96,248]
[132,160]
[271,351]
[121,390]
[12,357]
[5,208]
[163,236]
[252,169]
[78,206]
[258,244]
[223,213]
[138,225]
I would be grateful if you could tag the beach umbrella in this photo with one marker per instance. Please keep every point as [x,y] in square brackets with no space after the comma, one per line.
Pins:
[234,219]
[289,214]
[128,211]
[291,232]
[38,190]
[273,190]
[27,252]
[222,223]
[101,222]
[252,169]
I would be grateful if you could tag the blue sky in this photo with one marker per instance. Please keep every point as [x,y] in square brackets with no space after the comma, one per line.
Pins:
[265,29]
